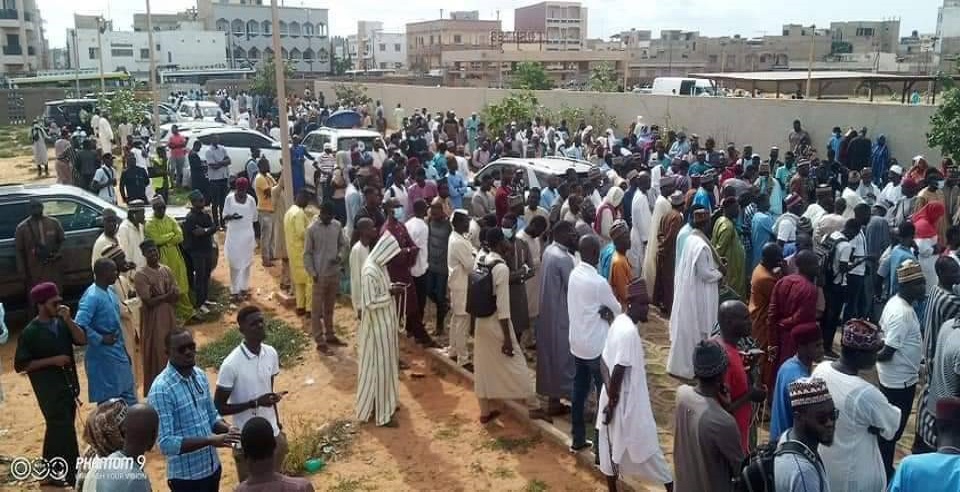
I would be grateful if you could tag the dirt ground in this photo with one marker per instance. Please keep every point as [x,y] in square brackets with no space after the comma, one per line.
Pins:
[438,445]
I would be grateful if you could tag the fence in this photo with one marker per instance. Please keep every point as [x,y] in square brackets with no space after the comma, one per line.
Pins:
[760,122]
[20,106]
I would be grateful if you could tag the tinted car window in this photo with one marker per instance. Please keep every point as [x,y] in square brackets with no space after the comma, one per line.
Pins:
[11,214]
[73,216]
[345,143]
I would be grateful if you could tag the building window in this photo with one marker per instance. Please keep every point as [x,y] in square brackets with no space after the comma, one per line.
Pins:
[122,52]
[144,53]
[383,65]
[713,59]
[431,39]
[158,47]
[865,31]
[396,47]
[382,47]
[457,39]
[93,53]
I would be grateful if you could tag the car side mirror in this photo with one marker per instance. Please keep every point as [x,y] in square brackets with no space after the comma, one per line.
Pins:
[98,221]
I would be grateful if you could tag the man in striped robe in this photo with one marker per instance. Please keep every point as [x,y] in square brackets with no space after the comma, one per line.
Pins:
[378,381]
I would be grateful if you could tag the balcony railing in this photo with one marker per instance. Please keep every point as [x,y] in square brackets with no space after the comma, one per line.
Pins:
[12,50]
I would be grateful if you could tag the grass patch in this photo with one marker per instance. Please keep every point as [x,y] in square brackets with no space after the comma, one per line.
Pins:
[15,141]
[289,341]
[536,486]
[350,485]
[219,294]
[502,473]
[179,197]
[450,429]
[329,442]
[517,445]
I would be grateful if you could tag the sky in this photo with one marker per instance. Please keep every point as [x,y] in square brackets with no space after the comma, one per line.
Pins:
[749,18]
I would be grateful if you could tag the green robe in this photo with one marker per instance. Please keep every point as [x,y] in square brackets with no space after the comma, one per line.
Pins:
[168,236]
[727,243]
[56,387]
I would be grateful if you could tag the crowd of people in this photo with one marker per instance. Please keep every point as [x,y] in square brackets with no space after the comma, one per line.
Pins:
[756,264]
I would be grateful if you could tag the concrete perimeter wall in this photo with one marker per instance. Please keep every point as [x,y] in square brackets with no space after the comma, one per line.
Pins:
[760,122]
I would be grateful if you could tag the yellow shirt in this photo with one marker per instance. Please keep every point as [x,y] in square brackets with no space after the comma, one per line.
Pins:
[263,184]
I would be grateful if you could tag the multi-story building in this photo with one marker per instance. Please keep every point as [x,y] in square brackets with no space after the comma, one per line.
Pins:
[947,38]
[304,33]
[163,22]
[864,36]
[563,24]
[23,42]
[191,46]
[428,40]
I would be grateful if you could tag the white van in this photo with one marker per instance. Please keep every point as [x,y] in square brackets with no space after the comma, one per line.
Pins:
[682,86]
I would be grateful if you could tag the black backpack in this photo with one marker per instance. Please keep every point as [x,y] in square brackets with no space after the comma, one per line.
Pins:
[756,473]
[481,298]
[826,251]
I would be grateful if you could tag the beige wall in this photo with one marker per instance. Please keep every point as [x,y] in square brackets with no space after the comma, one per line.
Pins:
[760,122]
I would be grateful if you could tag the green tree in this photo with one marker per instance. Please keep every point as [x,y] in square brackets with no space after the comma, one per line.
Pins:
[945,124]
[124,106]
[265,79]
[341,65]
[603,78]
[518,107]
[531,76]
[351,95]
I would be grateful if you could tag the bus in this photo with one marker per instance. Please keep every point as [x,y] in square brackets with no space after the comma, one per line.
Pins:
[200,76]
[88,81]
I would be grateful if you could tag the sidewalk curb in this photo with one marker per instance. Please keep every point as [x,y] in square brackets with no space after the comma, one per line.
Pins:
[435,359]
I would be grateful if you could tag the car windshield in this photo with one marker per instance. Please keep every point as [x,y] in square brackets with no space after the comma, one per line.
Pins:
[346,143]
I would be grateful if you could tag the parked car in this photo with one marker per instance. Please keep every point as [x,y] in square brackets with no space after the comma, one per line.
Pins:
[163,135]
[536,170]
[237,141]
[80,214]
[208,110]
[341,138]
[66,112]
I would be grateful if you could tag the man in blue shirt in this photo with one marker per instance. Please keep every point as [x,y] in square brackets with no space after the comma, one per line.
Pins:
[455,183]
[109,369]
[940,471]
[190,427]
[548,195]
[899,253]
[809,343]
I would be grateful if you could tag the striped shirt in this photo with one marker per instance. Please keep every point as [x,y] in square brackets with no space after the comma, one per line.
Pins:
[942,305]
[186,409]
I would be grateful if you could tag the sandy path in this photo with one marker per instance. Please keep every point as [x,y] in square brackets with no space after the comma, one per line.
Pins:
[438,445]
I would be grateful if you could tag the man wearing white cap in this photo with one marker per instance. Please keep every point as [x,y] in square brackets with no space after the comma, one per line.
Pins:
[891,193]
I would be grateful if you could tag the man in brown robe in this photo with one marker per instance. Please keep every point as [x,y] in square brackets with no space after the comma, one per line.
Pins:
[38,241]
[670,226]
[129,308]
[158,293]
[764,278]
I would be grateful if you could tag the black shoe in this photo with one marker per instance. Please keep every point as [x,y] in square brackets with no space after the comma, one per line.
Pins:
[576,448]
[427,342]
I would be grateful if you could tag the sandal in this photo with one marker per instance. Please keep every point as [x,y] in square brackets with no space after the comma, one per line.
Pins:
[485,419]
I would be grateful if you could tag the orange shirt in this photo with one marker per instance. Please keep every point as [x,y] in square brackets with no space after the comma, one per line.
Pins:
[621,274]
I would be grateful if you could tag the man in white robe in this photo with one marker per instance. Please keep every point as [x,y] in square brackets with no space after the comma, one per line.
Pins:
[240,244]
[697,285]
[105,135]
[661,208]
[130,233]
[626,428]
[641,220]
[850,194]
[366,233]
[460,262]
[378,380]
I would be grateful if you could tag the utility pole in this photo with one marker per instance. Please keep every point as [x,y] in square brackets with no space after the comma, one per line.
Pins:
[153,72]
[279,64]
[101,25]
[76,66]
[813,42]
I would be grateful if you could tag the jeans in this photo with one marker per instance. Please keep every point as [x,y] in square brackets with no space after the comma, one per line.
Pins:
[266,236]
[200,263]
[855,298]
[437,291]
[834,296]
[176,165]
[218,194]
[588,371]
[206,484]
[901,398]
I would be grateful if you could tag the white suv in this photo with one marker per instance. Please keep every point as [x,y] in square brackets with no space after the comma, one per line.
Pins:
[341,138]
[238,142]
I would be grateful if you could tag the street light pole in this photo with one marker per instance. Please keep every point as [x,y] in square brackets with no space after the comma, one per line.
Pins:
[100,27]
[153,72]
[279,64]
[813,42]
[76,66]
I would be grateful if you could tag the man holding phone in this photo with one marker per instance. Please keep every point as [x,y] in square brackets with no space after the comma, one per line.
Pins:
[245,385]
[45,355]
[190,427]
